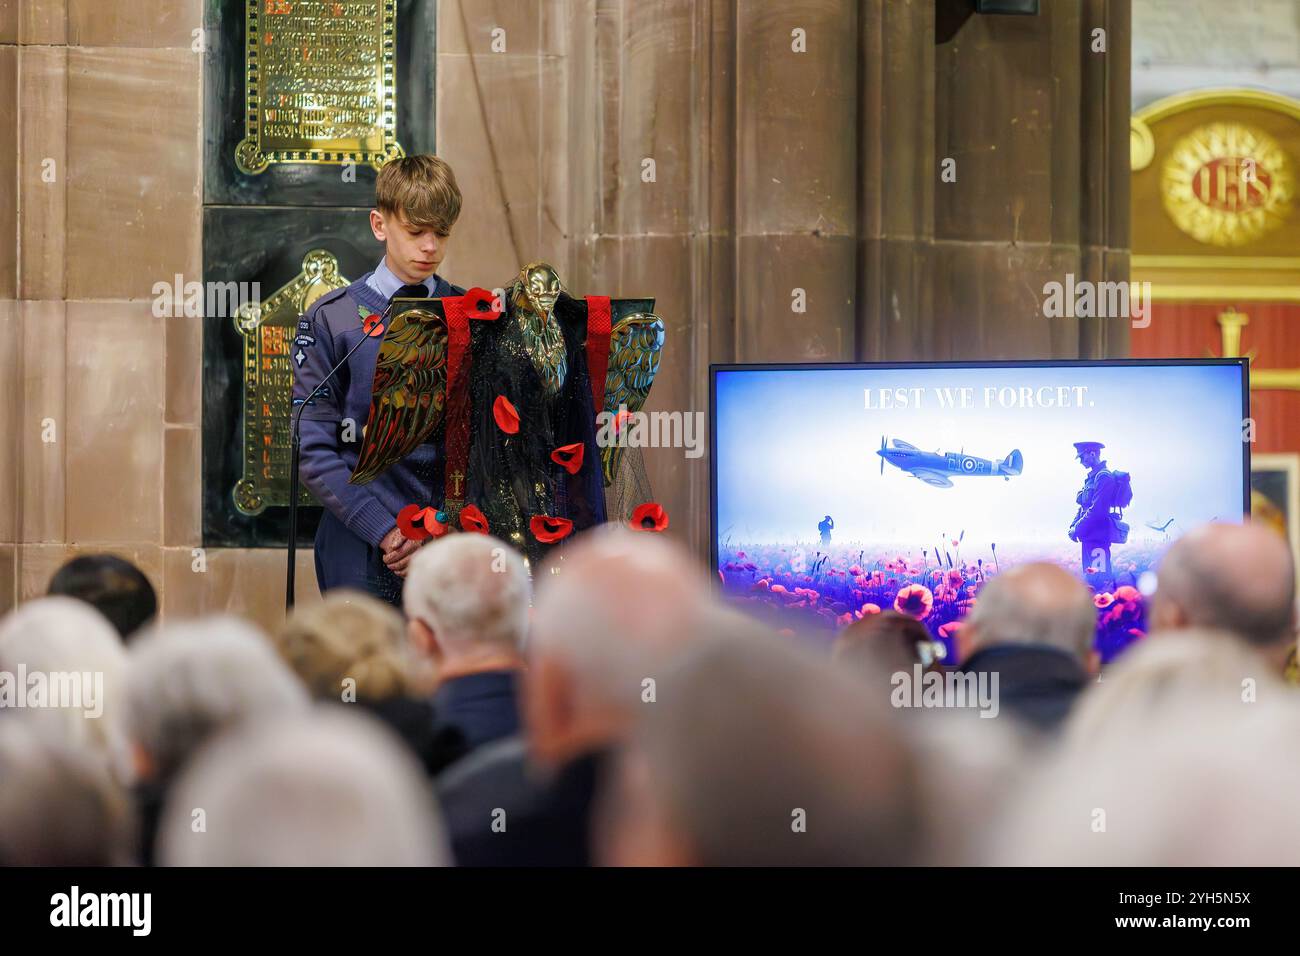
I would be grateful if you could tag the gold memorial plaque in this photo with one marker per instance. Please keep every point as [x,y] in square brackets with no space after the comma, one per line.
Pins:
[319,83]
[269,329]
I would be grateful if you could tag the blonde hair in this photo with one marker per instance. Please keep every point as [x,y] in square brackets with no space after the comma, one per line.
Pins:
[422,189]
[348,635]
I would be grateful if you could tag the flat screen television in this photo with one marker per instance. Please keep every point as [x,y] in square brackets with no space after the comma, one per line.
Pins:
[840,490]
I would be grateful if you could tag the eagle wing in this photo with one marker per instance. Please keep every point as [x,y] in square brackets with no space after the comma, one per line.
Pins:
[409,392]
[635,344]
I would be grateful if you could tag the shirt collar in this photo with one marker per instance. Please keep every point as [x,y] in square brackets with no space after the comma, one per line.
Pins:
[386,284]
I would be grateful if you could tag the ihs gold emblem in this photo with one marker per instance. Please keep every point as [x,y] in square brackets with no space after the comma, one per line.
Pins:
[1227,184]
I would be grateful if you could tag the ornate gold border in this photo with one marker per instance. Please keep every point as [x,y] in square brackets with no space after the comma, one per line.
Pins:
[1289,463]
[320,274]
[249,156]
[1217,96]
[1280,276]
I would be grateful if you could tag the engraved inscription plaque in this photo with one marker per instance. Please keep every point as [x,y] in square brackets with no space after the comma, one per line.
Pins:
[319,83]
[269,330]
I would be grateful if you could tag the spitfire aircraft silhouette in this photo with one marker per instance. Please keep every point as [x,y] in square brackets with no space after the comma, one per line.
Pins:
[934,468]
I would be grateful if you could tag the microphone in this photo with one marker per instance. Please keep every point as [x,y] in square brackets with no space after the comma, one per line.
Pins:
[295,452]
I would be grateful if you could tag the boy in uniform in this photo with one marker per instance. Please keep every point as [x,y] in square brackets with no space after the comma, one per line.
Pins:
[358,543]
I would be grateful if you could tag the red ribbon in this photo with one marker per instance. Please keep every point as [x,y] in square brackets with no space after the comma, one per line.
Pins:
[459,310]
[598,332]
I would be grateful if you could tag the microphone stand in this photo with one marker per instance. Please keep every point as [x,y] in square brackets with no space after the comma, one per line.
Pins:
[295,453]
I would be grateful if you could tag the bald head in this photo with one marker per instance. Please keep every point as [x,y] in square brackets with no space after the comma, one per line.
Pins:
[1233,577]
[618,595]
[1036,603]
[619,604]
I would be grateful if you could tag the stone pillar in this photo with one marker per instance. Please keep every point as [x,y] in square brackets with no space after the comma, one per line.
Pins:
[779,171]
[1037,123]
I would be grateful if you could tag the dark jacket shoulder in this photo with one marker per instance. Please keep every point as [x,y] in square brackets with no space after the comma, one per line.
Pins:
[334,295]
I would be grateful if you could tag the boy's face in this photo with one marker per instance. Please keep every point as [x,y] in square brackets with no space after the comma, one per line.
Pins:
[414,253]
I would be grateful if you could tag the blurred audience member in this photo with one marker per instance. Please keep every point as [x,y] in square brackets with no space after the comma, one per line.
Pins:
[884,644]
[1186,754]
[82,666]
[327,788]
[757,753]
[187,682]
[466,600]
[1201,665]
[114,587]
[1235,578]
[352,648]
[1033,625]
[968,767]
[58,806]
[620,605]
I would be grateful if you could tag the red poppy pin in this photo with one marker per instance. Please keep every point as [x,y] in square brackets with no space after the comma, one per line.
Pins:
[548,530]
[506,415]
[410,522]
[436,527]
[569,457]
[373,324]
[649,517]
[481,304]
[471,519]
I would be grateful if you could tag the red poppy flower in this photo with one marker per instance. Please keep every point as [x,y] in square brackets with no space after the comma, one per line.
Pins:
[915,600]
[471,519]
[548,530]
[867,610]
[1104,599]
[570,458]
[1126,592]
[410,524]
[373,325]
[435,527]
[506,415]
[649,517]
[950,629]
[481,303]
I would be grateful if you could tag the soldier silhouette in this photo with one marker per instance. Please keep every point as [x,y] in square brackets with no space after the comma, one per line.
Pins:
[824,526]
[1098,523]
